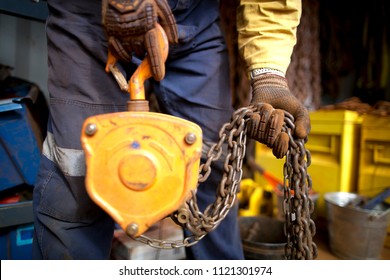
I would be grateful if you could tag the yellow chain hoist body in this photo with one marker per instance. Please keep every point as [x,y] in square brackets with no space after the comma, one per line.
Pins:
[141,166]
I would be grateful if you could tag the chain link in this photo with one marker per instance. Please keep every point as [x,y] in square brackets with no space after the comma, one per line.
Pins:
[298,206]
[299,228]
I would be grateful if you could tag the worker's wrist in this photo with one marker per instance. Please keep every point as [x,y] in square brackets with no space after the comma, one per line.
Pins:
[263,71]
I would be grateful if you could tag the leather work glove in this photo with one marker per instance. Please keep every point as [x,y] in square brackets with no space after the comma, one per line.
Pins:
[131,27]
[271,94]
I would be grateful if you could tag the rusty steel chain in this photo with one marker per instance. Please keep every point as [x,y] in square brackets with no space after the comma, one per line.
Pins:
[299,228]
[297,204]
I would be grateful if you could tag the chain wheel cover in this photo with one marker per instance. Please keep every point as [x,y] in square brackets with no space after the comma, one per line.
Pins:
[141,166]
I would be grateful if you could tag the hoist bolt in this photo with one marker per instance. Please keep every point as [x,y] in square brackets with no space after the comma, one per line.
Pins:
[183,216]
[132,229]
[90,129]
[190,138]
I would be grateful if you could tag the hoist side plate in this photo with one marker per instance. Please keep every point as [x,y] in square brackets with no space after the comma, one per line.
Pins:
[141,166]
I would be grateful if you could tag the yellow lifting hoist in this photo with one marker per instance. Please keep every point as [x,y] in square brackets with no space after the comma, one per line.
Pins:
[145,166]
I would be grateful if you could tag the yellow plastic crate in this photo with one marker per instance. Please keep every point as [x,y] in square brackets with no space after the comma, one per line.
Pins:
[334,146]
[374,165]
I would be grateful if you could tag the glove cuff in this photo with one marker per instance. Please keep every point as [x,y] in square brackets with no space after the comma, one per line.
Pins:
[269,81]
[261,71]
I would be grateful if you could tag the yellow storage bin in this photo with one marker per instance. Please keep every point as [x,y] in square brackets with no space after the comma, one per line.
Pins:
[374,165]
[334,146]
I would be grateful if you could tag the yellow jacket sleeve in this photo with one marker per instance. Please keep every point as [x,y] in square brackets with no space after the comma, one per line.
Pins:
[267,32]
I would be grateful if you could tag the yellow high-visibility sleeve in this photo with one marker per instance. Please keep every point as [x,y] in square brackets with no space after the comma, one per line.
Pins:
[267,32]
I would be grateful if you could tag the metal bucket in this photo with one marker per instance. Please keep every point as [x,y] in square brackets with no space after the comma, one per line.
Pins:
[262,238]
[355,233]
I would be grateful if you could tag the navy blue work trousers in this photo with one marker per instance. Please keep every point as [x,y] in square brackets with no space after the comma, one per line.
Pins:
[68,225]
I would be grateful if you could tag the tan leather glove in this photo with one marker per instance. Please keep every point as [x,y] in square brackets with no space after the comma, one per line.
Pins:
[271,93]
[131,27]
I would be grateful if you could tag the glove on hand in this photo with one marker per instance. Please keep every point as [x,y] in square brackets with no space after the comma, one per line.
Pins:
[131,27]
[269,92]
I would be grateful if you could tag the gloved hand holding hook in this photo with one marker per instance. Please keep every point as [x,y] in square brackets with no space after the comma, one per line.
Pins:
[131,27]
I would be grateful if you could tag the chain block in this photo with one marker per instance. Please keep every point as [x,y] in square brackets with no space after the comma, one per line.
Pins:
[141,166]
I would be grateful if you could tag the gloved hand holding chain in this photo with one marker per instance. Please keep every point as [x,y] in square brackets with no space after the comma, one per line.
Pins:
[271,94]
[131,27]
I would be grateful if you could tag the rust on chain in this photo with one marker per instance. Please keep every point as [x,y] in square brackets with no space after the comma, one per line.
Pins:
[297,206]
